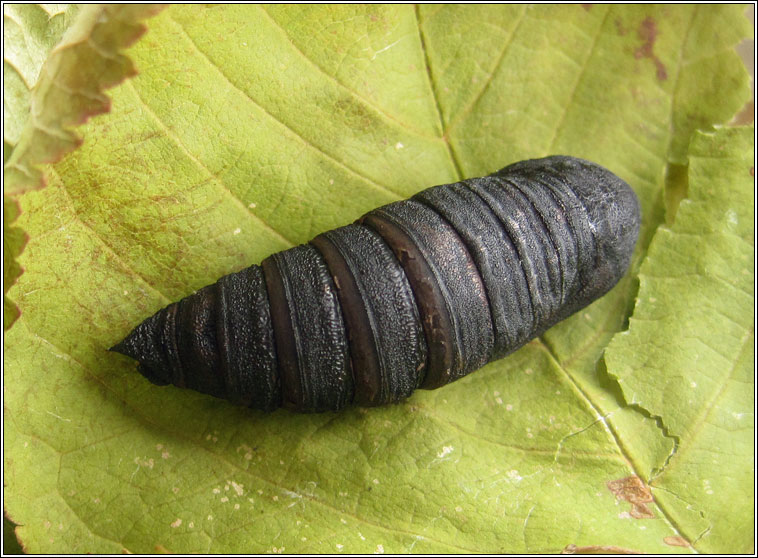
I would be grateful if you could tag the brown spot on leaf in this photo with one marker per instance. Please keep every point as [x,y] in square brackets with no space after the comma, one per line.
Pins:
[596,549]
[354,113]
[620,27]
[636,492]
[752,171]
[587,7]
[648,32]
[675,541]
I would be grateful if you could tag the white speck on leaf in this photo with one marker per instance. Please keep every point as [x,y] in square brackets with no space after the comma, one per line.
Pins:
[514,475]
[442,453]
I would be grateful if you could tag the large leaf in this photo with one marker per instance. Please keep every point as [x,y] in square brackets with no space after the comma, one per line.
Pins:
[253,128]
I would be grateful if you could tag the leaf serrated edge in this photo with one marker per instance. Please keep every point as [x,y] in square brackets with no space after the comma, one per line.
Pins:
[21,173]
[637,407]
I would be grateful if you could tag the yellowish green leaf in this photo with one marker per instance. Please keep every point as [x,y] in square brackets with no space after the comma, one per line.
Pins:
[251,128]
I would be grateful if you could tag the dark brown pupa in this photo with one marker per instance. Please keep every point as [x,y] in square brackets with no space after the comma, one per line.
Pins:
[415,294]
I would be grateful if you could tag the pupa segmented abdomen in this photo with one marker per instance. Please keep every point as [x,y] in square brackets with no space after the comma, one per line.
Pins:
[415,294]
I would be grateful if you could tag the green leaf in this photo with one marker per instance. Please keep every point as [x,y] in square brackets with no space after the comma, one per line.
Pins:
[252,128]
[689,353]
[67,87]
[29,32]
[14,240]
[47,90]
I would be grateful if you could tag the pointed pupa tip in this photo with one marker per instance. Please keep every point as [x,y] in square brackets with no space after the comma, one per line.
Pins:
[122,348]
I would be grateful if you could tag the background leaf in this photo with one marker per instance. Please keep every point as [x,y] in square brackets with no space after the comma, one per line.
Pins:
[252,128]
[66,89]
[29,32]
[47,90]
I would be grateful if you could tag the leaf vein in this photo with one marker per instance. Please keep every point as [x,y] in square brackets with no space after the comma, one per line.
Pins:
[341,85]
[102,241]
[572,98]
[350,170]
[708,408]
[173,137]
[486,84]
[436,98]
[612,431]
